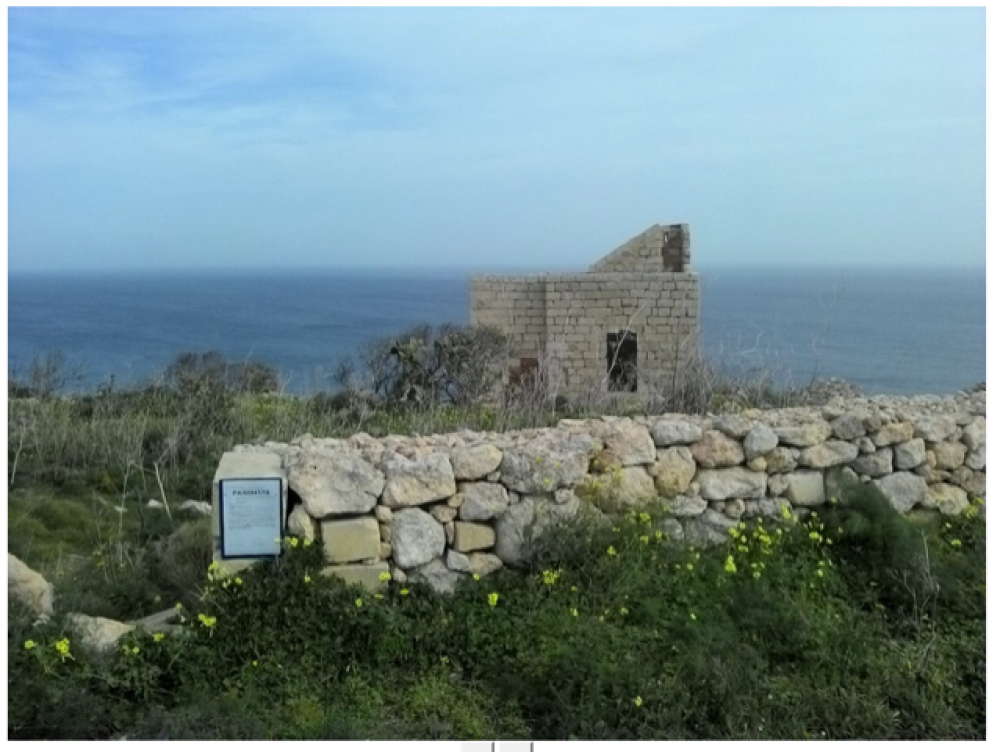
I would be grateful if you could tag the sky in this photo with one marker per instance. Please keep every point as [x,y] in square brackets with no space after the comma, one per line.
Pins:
[473,138]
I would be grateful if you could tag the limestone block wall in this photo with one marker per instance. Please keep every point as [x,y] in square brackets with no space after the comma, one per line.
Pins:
[582,309]
[661,248]
[439,509]
[515,305]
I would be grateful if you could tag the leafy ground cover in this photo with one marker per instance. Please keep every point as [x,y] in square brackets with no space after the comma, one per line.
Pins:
[853,623]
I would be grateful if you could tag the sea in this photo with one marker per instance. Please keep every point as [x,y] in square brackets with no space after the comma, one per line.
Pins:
[888,331]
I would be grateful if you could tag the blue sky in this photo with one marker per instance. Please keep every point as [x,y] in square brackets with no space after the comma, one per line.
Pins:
[489,138]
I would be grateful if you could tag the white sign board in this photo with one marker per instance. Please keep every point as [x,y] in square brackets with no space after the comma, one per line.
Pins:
[250,517]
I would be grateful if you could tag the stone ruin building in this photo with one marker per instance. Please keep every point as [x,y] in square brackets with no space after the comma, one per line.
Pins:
[628,324]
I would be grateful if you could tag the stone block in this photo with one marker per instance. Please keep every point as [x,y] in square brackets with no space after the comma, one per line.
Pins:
[366,575]
[351,540]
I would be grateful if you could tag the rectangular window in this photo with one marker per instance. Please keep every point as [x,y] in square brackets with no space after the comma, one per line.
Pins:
[623,361]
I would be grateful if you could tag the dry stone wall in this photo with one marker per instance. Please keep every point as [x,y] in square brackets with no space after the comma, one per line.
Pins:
[438,509]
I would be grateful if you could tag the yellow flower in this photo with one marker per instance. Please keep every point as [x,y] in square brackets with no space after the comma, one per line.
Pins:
[156,599]
[475,576]
[638,702]
[62,647]
[493,598]
[659,535]
[611,551]
[616,529]
[623,611]
[178,606]
[255,664]
[239,580]
[756,575]
[30,644]
[956,543]
[734,533]
[444,660]
[307,542]
[730,565]
[573,612]
[819,572]
[600,618]
[307,579]
[359,603]
[694,616]
[690,566]
[404,591]
[644,518]
[207,621]
[572,588]
[158,637]
[294,542]
[644,539]
[549,577]
[135,650]
[379,596]
[384,576]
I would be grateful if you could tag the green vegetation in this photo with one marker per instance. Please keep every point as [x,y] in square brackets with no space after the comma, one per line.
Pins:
[855,623]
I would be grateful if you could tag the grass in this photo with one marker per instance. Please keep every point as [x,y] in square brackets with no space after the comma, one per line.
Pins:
[854,624]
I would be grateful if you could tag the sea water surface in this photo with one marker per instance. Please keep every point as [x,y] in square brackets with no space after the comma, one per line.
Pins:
[888,331]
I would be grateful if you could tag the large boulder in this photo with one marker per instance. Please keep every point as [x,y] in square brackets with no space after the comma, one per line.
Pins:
[618,491]
[732,483]
[875,465]
[335,483]
[758,441]
[351,540]
[781,460]
[96,633]
[909,454]
[804,434]
[475,462]
[547,463]
[829,453]
[947,499]
[805,488]
[715,449]
[904,490]
[674,470]
[522,523]
[734,426]
[410,482]
[669,431]
[417,538]
[627,442]
[949,455]
[482,501]
[29,587]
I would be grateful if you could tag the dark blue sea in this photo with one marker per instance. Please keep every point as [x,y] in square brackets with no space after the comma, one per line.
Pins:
[888,331]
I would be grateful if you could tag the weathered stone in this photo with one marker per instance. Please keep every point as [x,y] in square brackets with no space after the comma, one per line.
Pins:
[96,633]
[732,483]
[780,460]
[443,513]
[767,508]
[561,496]
[329,484]
[948,499]
[909,454]
[735,508]
[865,445]
[29,587]
[685,506]
[383,514]
[473,463]
[949,454]
[416,537]
[472,536]
[715,449]
[836,479]
[543,465]
[974,434]
[757,464]
[627,441]
[829,453]
[805,488]
[976,458]
[930,474]
[476,562]
[777,484]
[734,426]
[893,433]
[301,525]
[668,432]
[522,523]
[385,533]
[904,490]
[934,428]
[848,426]
[619,491]
[399,576]
[674,470]
[418,481]
[196,507]
[804,435]
[971,480]
[758,441]
[672,529]
[368,576]
[449,533]
[350,540]
[385,550]
[876,464]
[482,501]
[708,529]
[436,575]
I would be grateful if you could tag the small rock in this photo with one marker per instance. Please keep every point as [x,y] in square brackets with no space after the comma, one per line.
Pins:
[909,454]
[759,441]
[197,507]
[715,449]
[96,633]
[668,432]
